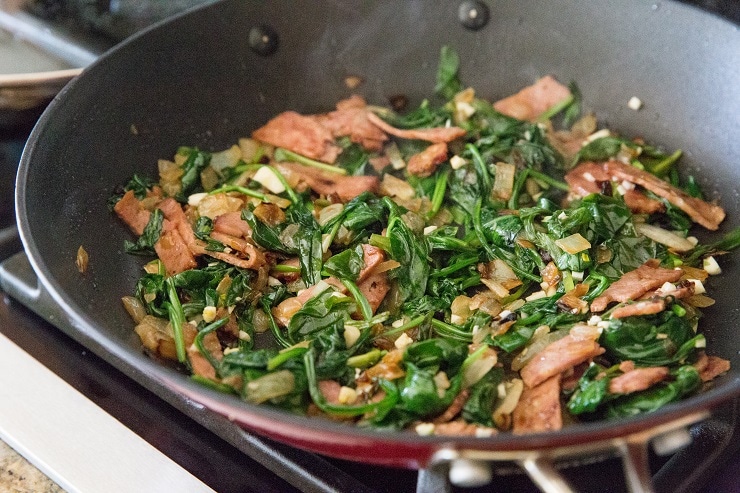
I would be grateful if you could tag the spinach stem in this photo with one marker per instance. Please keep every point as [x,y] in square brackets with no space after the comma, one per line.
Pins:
[177,319]
[379,408]
[243,190]
[447,330]
[408,325]
[438,196]
[560,185]
[286,155]
[199,341]
[361,299]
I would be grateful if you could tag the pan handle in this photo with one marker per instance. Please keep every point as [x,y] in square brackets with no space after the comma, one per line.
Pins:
[18,279]
[470,468]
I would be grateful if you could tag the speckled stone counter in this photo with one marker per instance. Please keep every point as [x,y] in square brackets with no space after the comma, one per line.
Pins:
[17,475]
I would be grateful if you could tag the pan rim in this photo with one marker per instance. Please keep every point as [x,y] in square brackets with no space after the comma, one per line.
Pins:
[119,355]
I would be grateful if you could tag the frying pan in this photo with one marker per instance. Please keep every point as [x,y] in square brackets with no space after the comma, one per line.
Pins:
[198,80]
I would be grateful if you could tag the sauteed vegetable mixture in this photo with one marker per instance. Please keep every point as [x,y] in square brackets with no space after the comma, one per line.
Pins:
[465,267]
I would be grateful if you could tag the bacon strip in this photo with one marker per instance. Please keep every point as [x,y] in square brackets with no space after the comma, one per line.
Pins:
[231,223]
[645,307]
[351,119]
[638,379]
[635,283]
[710,367]
[173,246]
[200,365]
[584,179]
[131,212]
[534,100]
[639,203]
[344,187]
[304,135]
[538,409]
[704,213]
[435,135]
[561,355]
[426,162]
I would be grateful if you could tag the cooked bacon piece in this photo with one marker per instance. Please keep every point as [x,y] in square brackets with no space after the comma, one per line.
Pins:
[175,245]
[570,378]
[569,142]
[684,289]
[634,284]
[639,203]
[534,100]
[327,183]
[175,218]
[372,256]
[232,224]
[374,288]
[585,178]
[538,408]
[704,213]
[250,258]
[435,135]
[638,379]
[351,119]
[174,252]
[330,390]
[426,162]
[198,361]
[646,307]
[233,242]
[710,367]
[654,301]
[578,346]
[131,212]
[454,408]
[304,135]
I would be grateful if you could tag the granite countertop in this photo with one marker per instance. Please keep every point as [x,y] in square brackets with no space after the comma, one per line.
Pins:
[17,475]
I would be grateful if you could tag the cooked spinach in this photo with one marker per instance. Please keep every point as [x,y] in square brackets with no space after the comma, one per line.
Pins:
[479,256]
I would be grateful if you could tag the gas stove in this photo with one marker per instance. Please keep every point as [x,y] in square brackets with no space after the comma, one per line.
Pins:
[224,456]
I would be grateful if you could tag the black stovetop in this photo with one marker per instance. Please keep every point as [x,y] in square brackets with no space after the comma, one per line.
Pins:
[229,460]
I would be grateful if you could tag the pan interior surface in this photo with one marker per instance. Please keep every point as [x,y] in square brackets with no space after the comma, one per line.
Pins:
[195,81]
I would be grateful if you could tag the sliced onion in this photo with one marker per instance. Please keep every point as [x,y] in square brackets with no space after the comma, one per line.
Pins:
[134,307]
[386,266]
[694,273]
[503,184]
[700,301]
[394,156]
[478,369]
[503,411]
[225,159]
[573,244]
[501,272]
[270,386]
[329,212]
[664,237]
[496,288]
[396,187]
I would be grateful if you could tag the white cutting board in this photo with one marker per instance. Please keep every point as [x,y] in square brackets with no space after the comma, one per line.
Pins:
[73,441]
